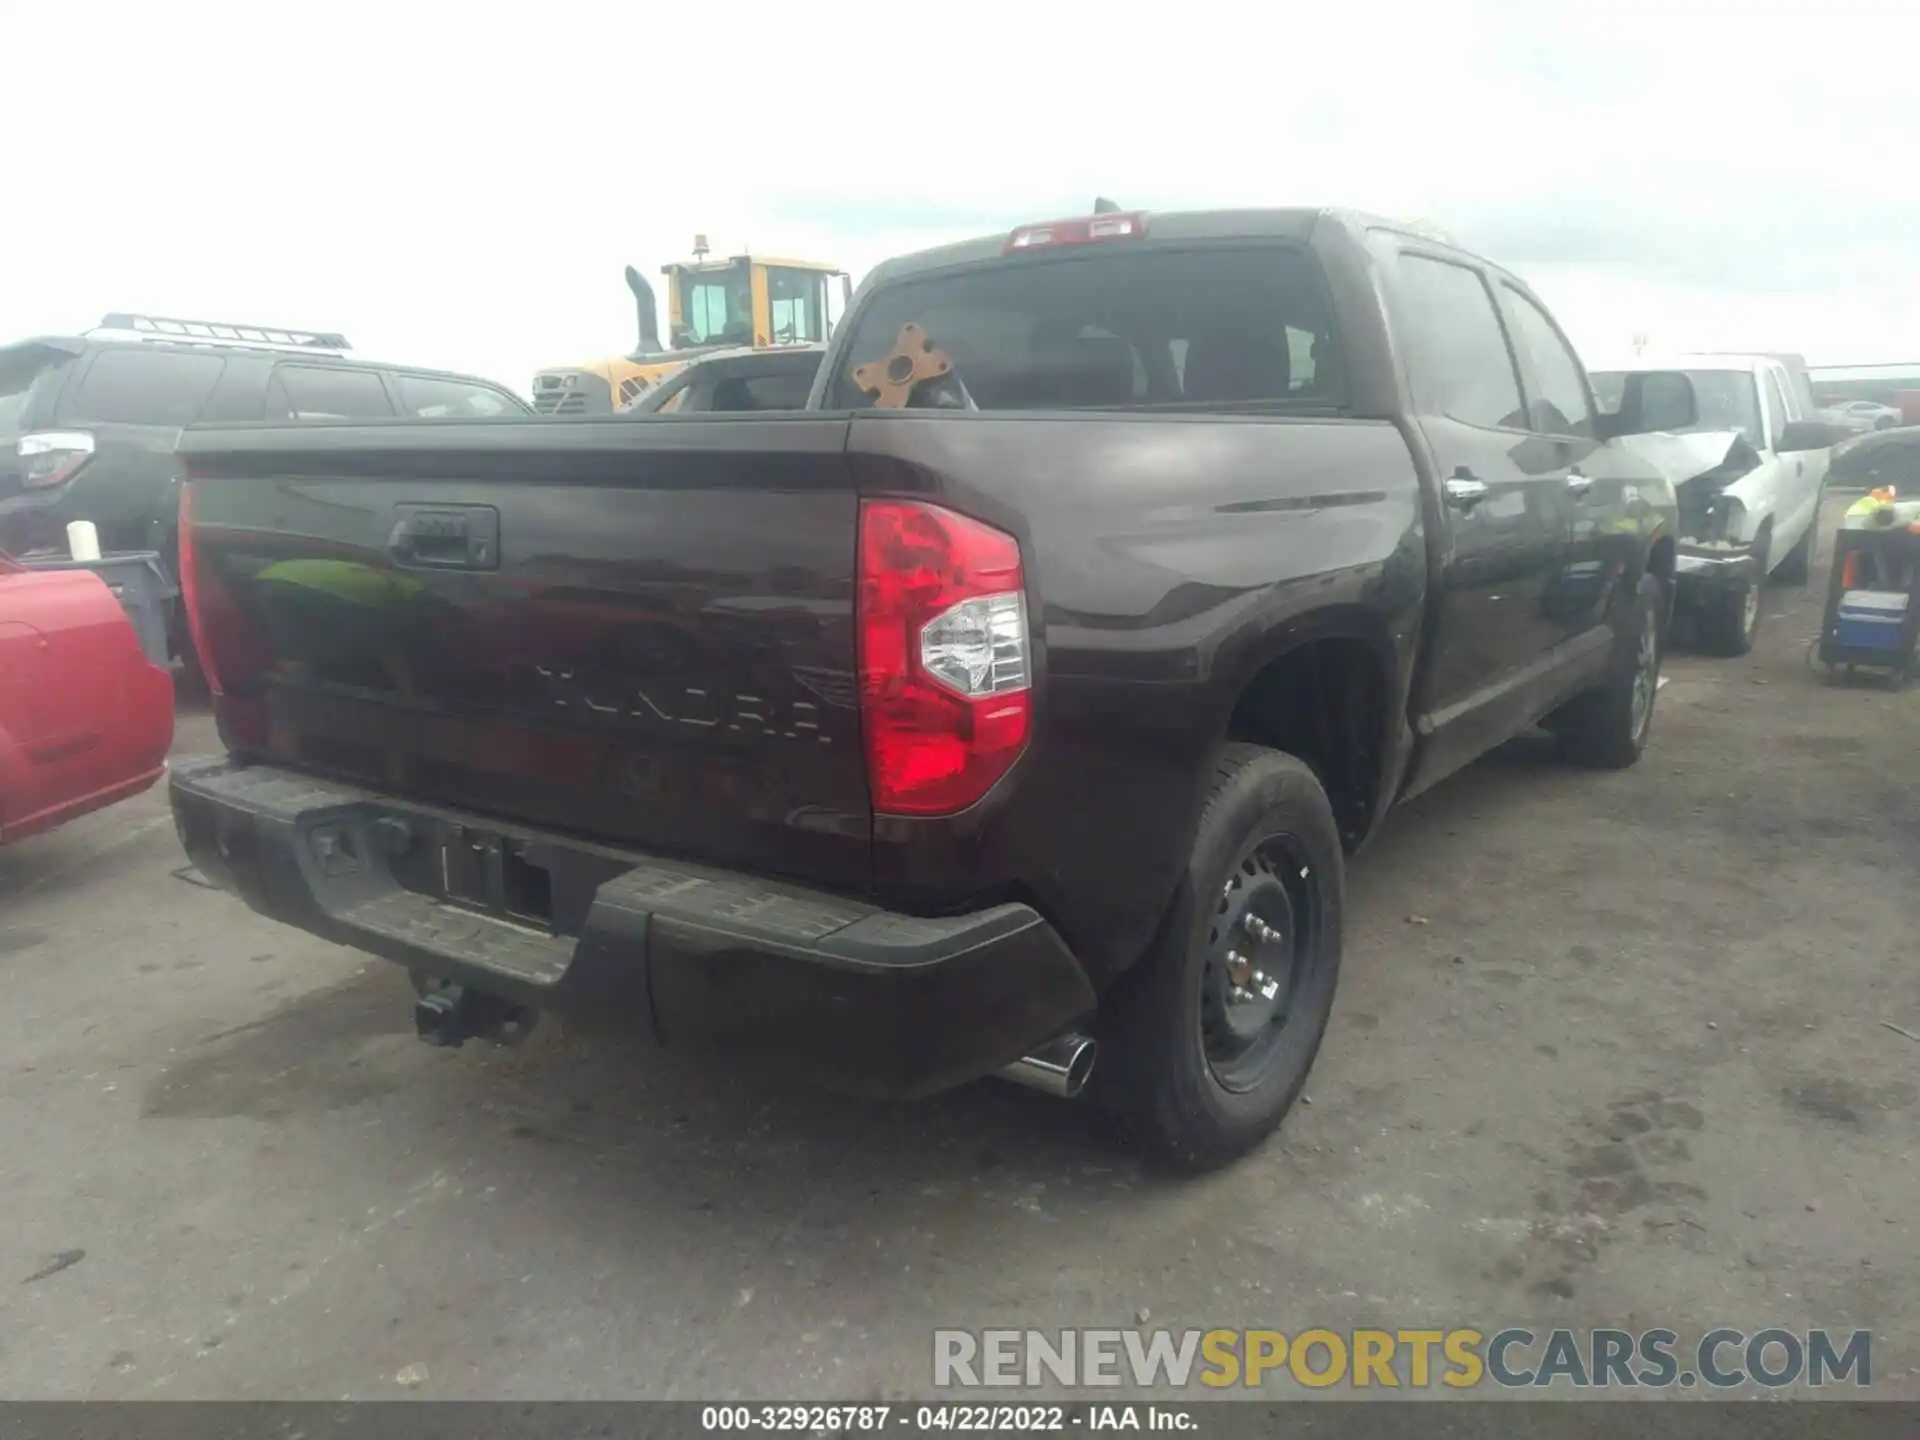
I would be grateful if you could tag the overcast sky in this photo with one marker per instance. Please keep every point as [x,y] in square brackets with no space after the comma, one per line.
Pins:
[460,185]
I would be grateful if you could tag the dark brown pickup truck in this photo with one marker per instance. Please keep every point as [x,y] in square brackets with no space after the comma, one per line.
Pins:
[1021,699]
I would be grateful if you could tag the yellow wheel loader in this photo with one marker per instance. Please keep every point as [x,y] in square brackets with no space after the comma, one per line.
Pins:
[745,300]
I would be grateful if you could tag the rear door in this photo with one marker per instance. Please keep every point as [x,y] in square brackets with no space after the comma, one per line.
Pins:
[1594,486]
[1503,510]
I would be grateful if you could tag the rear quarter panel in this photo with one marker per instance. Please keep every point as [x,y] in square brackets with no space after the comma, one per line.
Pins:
[1167,559]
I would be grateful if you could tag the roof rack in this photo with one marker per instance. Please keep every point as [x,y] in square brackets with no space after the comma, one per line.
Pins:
[210,332]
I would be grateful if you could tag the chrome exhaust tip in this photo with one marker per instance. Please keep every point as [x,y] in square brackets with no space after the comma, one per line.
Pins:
[1060,1067]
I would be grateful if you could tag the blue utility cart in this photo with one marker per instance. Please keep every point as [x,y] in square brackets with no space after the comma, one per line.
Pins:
[1872,620]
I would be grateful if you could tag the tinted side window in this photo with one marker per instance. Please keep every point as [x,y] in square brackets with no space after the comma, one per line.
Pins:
[1456,350]
[434,397]
[314,392]
[144,387]
[1560,407]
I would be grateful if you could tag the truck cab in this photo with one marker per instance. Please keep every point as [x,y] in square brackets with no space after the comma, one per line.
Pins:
[1016,702]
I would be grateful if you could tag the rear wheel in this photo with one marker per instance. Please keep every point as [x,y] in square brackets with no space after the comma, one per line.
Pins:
[1208,1042]
[1607,727]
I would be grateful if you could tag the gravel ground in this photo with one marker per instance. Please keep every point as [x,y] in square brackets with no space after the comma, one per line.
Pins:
[1610,1050]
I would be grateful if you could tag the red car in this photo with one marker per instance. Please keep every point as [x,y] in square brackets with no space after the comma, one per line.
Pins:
[85,718]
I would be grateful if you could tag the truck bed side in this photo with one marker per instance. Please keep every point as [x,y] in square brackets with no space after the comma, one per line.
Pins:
[1172,558]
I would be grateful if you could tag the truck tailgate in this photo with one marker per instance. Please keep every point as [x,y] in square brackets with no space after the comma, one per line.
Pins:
[639,631]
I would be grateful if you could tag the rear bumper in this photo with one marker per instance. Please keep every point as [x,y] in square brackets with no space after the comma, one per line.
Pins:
[698,957]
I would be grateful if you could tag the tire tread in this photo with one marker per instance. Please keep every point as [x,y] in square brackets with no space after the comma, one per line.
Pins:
[1143,1107]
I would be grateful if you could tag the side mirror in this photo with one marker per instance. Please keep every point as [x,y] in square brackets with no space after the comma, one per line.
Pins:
[1802,435]
[1652,401]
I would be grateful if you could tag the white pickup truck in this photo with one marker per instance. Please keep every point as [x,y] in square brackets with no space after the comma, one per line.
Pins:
[1749,473]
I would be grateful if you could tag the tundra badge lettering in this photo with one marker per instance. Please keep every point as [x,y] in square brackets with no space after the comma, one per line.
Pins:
[690,705]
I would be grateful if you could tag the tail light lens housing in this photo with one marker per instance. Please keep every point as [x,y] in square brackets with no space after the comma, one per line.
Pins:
[945,657]
[52,457]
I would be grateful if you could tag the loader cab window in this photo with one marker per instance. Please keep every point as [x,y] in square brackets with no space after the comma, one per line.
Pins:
[797,300]
[716,307]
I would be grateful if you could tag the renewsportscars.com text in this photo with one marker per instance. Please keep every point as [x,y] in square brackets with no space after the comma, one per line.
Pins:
[1459,1359]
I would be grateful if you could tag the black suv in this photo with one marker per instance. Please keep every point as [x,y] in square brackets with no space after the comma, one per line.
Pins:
[88,423]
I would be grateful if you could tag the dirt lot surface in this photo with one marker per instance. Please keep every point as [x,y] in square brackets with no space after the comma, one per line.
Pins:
[1609,1050]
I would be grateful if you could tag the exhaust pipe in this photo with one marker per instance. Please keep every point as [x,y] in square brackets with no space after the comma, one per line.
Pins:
[1060,1067]
[647,311]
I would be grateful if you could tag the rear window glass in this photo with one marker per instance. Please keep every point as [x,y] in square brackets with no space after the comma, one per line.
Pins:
[25,371]
[436,397]
[1217,327]
[144,387]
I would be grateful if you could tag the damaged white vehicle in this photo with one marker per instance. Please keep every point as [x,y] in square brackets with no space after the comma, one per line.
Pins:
[1749,470]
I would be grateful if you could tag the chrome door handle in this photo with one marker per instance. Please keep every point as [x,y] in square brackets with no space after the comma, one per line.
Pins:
[1463,491]
[1579,484]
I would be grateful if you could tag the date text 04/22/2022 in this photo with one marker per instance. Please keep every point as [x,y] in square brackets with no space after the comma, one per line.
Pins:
[844,1419]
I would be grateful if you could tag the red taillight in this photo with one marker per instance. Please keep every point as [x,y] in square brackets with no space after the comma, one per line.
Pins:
[945,659]
[190,590]
[1084,230]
